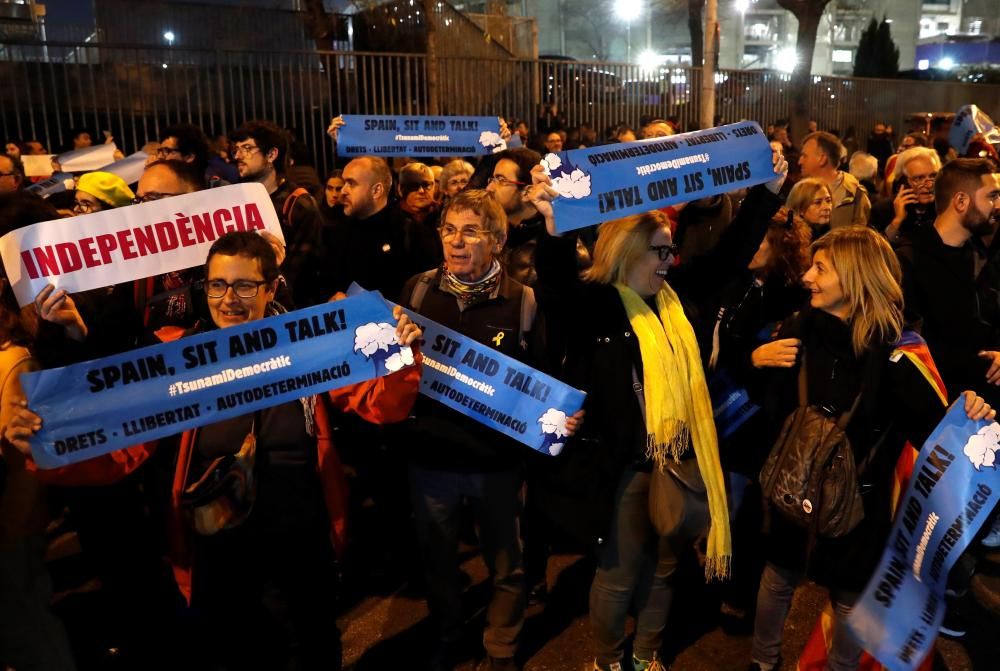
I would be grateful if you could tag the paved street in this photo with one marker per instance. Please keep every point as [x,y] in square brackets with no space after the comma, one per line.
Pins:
[382,632]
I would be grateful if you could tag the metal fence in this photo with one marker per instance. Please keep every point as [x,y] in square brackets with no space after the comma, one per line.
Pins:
[135,92]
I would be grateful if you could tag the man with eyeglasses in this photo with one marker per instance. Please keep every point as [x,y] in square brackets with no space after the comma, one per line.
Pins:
[260,149]
[11,175]
[912,207]
[454,459]
[186,142]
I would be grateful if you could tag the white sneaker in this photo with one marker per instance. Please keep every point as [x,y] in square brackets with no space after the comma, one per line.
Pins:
[992,539]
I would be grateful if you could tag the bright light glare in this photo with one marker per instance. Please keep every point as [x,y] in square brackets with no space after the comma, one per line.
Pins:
[946,63]
[923,64]
[628,10]
[169,36]
[742,6]
[649,59]
[786,59]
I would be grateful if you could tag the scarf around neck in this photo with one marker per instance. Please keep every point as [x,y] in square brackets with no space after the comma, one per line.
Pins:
[470,293]
[678,407]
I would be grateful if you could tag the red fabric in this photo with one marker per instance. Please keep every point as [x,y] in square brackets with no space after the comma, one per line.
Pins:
[384,400]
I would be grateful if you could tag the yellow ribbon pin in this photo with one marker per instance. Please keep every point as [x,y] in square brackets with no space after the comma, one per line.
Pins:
[498,338]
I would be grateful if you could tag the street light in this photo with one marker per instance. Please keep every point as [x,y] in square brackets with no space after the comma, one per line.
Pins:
[628,11]
[169,37]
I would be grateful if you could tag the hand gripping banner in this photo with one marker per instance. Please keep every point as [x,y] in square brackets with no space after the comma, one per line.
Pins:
[611,181]
[129,243]
[92,408]
[953,489]
[364,135]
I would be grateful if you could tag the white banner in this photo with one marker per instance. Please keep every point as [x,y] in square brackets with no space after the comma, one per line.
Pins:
[88,159]
[38,165]
[129,168]
[129,243]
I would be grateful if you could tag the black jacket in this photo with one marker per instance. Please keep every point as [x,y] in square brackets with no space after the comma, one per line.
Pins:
[897,405]
[939,291]
[445,439]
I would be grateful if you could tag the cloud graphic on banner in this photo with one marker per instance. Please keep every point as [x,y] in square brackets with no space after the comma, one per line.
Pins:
[553,423]
[981,449]
[568,180]
[377,341]
[492,141]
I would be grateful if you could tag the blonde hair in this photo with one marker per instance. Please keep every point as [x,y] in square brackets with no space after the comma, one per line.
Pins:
[870,278]
[802,194]
[622,242]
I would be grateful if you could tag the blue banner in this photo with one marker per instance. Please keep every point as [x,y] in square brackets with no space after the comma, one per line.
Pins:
[364,135]
[953,488]
[494,389]
[100,406]
[57,183]
[611,181]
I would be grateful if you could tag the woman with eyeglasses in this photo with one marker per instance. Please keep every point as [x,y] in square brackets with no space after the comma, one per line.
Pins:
[99,191]
[262,591]
[648,465]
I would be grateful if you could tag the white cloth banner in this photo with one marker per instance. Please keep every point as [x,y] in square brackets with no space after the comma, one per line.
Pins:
[88,159]
[39,165]
[129,168]
[129,243]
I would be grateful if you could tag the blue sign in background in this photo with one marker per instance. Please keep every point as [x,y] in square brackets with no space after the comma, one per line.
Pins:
[952,490]
[51,185]
[598,184]
[493,388]
[364,135]
[92,408]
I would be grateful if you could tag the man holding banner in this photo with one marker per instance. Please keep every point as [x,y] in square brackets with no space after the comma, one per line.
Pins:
[452,457]
[256,507]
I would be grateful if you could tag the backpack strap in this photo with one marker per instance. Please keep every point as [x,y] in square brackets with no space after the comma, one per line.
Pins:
[529,307]
[803,382]
[420,289]
[290,201]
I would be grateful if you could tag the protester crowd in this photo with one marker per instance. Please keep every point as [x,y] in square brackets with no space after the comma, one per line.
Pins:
[798,292]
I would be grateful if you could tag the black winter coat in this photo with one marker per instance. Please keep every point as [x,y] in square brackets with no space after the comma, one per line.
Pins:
[897,405]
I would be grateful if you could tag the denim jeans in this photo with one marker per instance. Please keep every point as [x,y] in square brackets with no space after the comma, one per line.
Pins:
[496,498]
[774,599]
[634,567]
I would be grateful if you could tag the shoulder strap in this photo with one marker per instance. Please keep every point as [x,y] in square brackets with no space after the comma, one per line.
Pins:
[803,382]
[420,289]
[290,201]
[528,309]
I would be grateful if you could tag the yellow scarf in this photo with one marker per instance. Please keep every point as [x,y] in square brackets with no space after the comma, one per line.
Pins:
[678,408]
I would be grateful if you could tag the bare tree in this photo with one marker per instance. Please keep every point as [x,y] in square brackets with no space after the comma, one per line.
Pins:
[808,14]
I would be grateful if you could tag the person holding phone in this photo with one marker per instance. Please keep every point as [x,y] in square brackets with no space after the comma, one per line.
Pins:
[912,205]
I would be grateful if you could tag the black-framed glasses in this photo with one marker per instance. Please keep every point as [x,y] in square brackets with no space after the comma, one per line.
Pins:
[165,152]
[244,150]
[85,206]
[242,288]
[500,180]
[665,251]
[151,196]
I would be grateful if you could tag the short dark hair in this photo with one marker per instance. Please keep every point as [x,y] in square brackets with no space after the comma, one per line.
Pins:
[828,144]
[248,245]
[187,173]
[919,139]
[268,135]
[191,141]
[960,175]
[77,132]
[525,158]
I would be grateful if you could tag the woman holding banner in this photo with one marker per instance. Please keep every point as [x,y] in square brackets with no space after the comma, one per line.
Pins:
[255,501]
[859,360]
